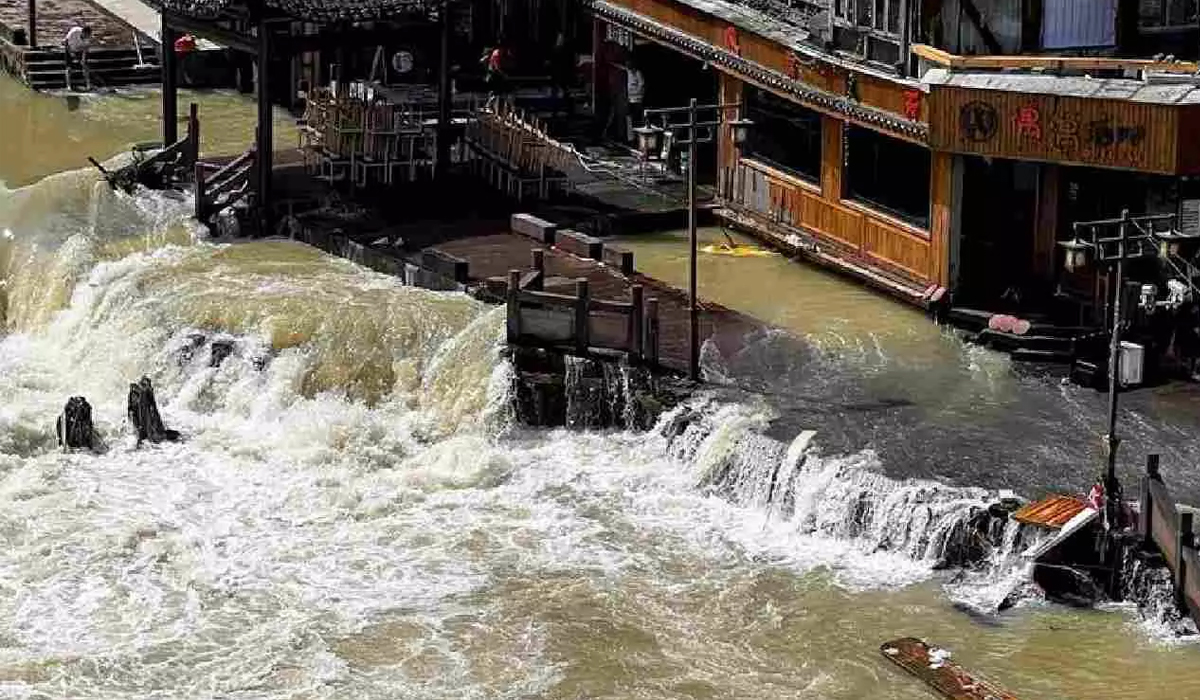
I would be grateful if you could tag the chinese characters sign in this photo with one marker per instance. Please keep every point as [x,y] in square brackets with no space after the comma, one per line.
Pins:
[1045,127]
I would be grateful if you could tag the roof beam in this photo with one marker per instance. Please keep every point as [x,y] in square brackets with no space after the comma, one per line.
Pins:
[209,30]
[291,45]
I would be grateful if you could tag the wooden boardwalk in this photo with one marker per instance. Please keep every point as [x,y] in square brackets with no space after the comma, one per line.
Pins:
[493,255]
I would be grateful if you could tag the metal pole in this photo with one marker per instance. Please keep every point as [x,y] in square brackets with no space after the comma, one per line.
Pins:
[265,141]
[1114,367]
[693,305]
[441,161]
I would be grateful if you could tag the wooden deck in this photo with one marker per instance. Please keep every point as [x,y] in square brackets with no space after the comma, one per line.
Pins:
[945,677]
[1051,513]
[492,256]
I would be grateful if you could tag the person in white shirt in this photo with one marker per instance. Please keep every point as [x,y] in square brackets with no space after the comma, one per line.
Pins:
[75,46]
[635,91]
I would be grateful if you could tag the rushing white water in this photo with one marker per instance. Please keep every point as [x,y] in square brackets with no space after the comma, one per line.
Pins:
[351,515]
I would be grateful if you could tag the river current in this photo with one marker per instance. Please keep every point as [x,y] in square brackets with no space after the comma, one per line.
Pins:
[353,515]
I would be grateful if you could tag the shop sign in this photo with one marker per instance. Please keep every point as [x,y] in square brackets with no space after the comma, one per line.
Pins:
[912,105]
[618,35]
[1067,129]
[1189,217]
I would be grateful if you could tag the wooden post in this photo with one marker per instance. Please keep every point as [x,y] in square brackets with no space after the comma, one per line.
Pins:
[1147,506]
[170,88]
[539,260]
[1183,540]
[514,305]
[650,342]
[265,140]
[33,37]
[199,177]
[193,152]
[581,316]
[636,325]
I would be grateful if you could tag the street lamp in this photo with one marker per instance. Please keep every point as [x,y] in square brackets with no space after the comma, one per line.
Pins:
[1136,237]
[695,130]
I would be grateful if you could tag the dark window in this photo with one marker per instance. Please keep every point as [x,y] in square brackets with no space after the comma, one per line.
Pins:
[889,174]
[1167,13]
[784,133]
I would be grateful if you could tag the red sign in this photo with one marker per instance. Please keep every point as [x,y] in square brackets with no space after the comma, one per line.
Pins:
[1029,122]
[731,40]
[912,104]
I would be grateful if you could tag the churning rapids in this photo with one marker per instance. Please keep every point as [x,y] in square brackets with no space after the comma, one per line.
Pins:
[353,515]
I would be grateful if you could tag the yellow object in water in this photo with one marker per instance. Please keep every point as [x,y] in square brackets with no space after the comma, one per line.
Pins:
[738,251]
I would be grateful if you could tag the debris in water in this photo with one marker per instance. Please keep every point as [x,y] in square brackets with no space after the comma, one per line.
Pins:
[74,425]
[143,414]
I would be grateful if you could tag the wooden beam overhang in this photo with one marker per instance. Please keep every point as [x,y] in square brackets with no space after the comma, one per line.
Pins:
[843,106]
[209,29]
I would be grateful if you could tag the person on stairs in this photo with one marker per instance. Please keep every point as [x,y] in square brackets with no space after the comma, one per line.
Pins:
[75,46]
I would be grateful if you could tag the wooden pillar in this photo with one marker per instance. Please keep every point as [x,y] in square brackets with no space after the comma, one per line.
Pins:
[1045,234]
[33,37]
[514,306]
[170,88]
[945,189]
[637,325]
[441,163]
[597,69]
[193,132]
[265,139]
[1184,540]
[582,341]
[831,158]
[729,91]
[650,340]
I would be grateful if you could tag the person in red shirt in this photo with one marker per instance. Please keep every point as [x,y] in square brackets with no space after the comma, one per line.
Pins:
[494,61]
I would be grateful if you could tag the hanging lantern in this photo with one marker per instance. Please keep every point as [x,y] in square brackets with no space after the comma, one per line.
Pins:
[740,128]
[1076,257]
[649,139]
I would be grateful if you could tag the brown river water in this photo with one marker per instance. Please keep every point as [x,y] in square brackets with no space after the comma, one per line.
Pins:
[352,516]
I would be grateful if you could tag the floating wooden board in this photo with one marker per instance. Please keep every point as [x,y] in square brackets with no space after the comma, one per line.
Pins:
[948,678]
[1051,513]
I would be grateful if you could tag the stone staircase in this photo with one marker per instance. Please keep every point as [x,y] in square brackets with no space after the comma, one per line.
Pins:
[109,67]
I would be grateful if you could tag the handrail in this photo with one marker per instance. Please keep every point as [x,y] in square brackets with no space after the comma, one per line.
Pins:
[1080,63]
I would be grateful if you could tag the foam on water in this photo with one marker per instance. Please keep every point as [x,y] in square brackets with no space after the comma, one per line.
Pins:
[351,513]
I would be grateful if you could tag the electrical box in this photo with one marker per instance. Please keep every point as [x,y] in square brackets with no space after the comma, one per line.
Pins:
[1133,358]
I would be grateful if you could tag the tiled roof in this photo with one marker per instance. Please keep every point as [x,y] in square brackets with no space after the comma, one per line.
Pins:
[311,10]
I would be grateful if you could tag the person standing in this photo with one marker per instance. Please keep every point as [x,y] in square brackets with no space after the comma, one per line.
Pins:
[494,60]
[635,92]
[75,46]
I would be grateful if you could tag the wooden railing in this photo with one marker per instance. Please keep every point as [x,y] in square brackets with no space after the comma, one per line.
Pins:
[185,152]
[1166,527]
[868,236]
[218,187]
[579,322]
[1050,63]
[514,153]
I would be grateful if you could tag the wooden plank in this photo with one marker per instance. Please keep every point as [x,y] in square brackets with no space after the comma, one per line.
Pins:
[1079,63]
[946,677]
[1075,524]
[1051,513]
[547,325]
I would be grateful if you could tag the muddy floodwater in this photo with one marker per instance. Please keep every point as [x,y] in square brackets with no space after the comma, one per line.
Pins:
[352,514]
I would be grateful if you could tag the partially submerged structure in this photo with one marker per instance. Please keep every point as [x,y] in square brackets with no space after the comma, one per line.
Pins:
[939,150]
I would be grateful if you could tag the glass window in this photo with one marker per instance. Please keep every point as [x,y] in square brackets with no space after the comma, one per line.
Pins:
[888,174]
[1167,13]
[784,133]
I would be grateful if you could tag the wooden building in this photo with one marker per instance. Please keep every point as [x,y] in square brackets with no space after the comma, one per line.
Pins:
[879,150]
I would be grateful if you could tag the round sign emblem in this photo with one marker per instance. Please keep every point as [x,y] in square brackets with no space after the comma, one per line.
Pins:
[402,61]
[978,121]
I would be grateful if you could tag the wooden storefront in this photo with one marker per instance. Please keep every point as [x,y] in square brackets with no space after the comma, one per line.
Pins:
[904,258]
[1107,133]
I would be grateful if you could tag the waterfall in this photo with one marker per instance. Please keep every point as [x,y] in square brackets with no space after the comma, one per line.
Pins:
[842,497]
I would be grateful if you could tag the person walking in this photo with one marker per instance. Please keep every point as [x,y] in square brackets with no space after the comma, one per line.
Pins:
[494,60]
[75,46]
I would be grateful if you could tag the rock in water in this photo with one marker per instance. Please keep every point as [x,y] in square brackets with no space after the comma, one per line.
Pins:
[143,414]
[74,425]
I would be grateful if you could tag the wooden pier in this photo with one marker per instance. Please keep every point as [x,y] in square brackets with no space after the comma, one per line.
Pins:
[1169,529]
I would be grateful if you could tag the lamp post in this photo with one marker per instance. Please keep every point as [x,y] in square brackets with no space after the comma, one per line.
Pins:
[695,130]
[1135,237]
